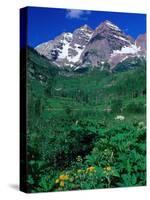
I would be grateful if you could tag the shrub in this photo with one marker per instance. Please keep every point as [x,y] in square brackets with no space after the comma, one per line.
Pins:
[135,107]
[62,144]
[124,149]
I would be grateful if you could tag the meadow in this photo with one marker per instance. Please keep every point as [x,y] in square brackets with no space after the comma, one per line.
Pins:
[85,130]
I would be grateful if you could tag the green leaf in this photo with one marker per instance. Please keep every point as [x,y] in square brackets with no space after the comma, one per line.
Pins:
[134,179]
[115,173]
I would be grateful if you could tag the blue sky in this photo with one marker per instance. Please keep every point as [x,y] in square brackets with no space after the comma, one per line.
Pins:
[46,23]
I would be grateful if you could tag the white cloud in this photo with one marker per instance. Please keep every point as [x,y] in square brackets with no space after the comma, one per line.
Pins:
[77,14]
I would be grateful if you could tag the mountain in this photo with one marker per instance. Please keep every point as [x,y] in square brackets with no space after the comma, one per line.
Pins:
[141,42]
[87,47]
[66,49]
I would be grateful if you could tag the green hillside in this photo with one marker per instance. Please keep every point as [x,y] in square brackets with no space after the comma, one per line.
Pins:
[85,130]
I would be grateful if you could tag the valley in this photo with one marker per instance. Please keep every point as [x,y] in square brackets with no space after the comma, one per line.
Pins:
[86,129]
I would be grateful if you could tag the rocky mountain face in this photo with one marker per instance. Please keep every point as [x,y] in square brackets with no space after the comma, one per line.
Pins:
[106,44]
[141,43]
[66,49]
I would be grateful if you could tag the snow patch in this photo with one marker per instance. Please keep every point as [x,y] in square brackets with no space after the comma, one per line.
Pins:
[66,41]
[89,35]
[132,49]
[66,35]
[121,38]
[79,51]
[124,58]
[113,26]
[64,52]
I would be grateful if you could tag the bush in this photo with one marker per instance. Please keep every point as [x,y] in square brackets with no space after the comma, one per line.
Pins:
[116,159]
[135,107]
[61,145]
[122,148]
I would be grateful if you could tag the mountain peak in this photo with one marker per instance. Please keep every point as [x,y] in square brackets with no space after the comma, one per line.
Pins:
[108,25]
[67,34]
[86,27]
[86,46]
[107,22]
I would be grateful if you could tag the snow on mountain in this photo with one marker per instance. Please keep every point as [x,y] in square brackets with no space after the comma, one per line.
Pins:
[65,45]
[132,49]
[67,48]
[125,52]
[106,38]
[111,25]
[107,43]
[121,38]
[79,50]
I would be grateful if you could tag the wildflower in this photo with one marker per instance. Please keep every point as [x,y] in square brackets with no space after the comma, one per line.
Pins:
[79,158]
[141,124]
[107,169]
[71,179]
[76,177]
[119,117]
[58,89]
[63,177]
[107,110]
[57,181]
[90,169]
[62,184]
[79,170]
[76,122]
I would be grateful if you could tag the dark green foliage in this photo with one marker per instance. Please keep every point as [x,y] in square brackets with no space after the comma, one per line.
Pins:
[49,86]
[74,138]
[130,63]
[106,66]
[39,67]
[123,148]
[116,105]
[135,107]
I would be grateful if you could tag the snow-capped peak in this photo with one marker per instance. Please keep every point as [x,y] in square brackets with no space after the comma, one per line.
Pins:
[68,47]
[112,26]
[86,46]
[68,34]
[85,27]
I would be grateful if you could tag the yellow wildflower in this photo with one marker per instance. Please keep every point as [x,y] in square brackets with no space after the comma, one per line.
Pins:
[108,168]
[57,181]
[63,177]
[90,169]
[62,183]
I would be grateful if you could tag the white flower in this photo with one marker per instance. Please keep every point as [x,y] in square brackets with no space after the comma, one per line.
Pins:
[76,122]
[119,117]
[107,110]
[141,124]
[58,89]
